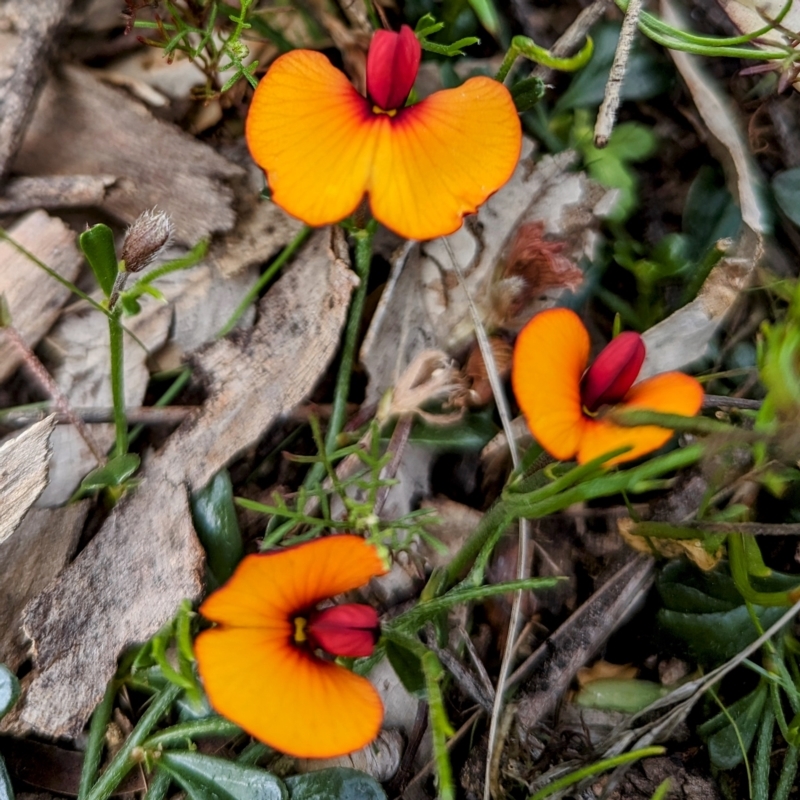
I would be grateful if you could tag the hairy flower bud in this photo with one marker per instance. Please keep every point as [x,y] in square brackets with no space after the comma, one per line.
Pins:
[392,64]
[348,630]
[613,372]
[150,233]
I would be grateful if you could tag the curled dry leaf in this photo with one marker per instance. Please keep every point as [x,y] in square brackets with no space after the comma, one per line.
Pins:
[669,548]
[479,392]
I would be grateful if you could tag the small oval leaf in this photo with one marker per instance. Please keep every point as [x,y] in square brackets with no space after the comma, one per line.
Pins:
[113,473]
[210,777]
[98,246]
[338,783]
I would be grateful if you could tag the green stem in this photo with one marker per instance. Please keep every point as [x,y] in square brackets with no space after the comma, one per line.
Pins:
[789,770]
[118,381]
[761,765]
[172,392]
[341,392]
[737,557]
[527,48]
[702,426]
[178,734]
[594,769]
[124,761]
[97,735]
[159,786]
[268,275]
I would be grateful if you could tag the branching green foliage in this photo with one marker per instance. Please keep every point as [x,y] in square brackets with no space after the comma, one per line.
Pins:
[203,32]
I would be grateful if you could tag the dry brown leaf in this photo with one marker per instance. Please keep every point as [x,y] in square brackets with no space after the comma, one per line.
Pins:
[83,127]
[34,298]
[669,548]
[24,463]
[684,336]
[145,559]
[601,670]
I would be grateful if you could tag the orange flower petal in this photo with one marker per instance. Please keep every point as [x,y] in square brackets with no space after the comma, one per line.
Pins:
[268,588]
[550,356]
[669,393]
[313,135]
[285,697]
[440,159]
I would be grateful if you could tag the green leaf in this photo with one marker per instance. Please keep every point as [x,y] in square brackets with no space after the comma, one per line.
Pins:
[6,792]
[9,690]
[486,12]
[407,667]
[114,473]
[710,212]
[469,435]
[210,778]
[214,515]
[97,245]
[786,186]
[632,141]
[618,694]
[338,783]
[723,739]
[527,93]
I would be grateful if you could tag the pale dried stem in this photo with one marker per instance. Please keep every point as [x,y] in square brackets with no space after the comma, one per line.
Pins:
[607,114]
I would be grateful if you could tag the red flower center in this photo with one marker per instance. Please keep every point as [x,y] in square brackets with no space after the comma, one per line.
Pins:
[392,65]
[613,372]
[349,630]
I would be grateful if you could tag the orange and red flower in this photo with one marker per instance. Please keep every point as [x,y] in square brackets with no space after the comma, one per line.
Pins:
[566,405]
[324,146]
[260,666]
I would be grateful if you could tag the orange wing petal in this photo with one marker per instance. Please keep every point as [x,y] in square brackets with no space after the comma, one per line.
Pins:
[313,135]
[440,159]
[669,393]
[289,699]
[550,356]
[268,588]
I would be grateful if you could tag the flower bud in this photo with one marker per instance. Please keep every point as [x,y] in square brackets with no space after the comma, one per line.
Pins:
[392,64]
[348,630]
[146,238]
[613,372]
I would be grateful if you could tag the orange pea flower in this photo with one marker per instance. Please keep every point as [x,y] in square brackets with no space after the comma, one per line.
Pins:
[565,404]
[260,666]
[323,145]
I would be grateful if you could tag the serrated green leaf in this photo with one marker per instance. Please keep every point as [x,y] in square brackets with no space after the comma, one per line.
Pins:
[213,778]
[214,515]
[9,690]
[338,783]
[97,245]
[114,473]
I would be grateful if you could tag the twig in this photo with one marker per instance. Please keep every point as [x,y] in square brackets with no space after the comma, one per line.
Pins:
[607,114]
[141,415]
[524,525]
[721,401]
[45,380]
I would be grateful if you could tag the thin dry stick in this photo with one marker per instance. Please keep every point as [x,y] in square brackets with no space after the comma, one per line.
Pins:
[137,415]
[45,380]
[607,114]
[524,525]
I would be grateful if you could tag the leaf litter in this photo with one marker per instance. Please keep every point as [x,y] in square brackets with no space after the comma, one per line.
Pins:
[535,243]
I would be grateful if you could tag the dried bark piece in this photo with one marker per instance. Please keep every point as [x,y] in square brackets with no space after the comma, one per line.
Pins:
[145,559]
[34,298]
[30,560]
[26,40]
[83,127]
[56,191]
[23,473]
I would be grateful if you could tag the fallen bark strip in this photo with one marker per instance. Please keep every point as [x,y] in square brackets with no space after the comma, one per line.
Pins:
[26,41]
[145,559]
[54,191]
